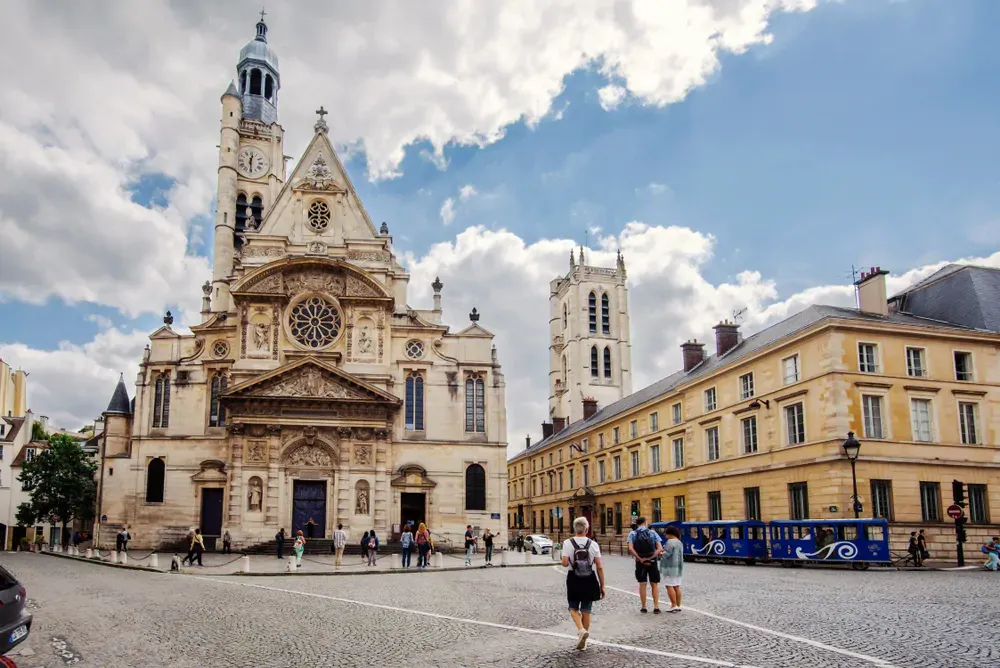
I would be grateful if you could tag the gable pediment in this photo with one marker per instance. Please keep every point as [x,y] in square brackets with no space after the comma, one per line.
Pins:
[310,378]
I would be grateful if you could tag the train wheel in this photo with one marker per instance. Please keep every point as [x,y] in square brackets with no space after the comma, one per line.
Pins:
[859,566]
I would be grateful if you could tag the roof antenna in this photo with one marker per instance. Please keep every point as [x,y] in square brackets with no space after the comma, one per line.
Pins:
[738,314]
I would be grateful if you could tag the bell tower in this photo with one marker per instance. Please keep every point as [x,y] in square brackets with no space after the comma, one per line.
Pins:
[251,160]
[590,354]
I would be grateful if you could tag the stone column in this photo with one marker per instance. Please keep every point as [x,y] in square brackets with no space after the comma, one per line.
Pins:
[344,485]
[381,494]
[235,477]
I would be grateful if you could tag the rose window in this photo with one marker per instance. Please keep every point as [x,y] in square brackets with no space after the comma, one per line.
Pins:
[314,322]
[220,349]
[414,349]
[319,215]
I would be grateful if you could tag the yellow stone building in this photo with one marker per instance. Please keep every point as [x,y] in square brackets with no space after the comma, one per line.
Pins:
[757,430]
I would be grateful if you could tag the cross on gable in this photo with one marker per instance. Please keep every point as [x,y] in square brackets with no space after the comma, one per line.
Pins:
[322,112]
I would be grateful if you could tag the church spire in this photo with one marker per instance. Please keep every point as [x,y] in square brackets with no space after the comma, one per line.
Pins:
[257,74]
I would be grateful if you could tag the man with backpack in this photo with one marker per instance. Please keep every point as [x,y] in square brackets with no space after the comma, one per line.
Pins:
[644,546]
[585,578]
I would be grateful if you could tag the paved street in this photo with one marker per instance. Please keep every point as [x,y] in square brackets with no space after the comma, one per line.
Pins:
[742,616]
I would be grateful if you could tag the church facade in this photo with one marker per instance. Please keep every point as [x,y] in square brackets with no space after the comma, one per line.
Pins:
[310,393]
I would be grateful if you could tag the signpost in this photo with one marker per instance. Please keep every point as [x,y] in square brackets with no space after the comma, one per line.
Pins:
[956,511]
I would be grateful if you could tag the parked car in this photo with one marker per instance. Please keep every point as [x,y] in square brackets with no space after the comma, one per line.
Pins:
[537,544]
[15,622]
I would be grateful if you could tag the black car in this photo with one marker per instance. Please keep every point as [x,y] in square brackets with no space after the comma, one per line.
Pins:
[15,622]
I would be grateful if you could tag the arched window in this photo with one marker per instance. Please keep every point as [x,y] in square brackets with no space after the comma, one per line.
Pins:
[605,314]
[594,370]
[607,362]
[257,211]
[475,487]
[243,81]
[255,81]
[155,473]
[161,402]
[241,212]
[475,404]
[565,316]
[268,87]
[592,311]
[216,411]
[415,402]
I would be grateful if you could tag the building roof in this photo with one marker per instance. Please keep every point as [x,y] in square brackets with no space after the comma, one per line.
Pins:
[119,404]
[962,294]
[752,344]
[22,453]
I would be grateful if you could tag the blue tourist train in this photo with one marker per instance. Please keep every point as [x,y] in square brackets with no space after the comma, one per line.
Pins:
[855,541]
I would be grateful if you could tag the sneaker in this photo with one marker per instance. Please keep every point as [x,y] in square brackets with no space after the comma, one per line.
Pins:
[656,611]
[582,639]
[643,610]
[586,641]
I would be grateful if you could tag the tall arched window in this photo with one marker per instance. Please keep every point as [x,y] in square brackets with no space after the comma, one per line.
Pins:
[475,487]
[257,211]
[565,316]
[155,474]
[475,404]
[415,402]
[607,362]
[241,212]
[161,401]
[216,411]
[605,314]
[255,82]
[268,87]
[592,312]
[594,370]
[243,81]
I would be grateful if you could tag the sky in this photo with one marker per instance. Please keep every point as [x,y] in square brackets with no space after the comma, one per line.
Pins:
[742,154]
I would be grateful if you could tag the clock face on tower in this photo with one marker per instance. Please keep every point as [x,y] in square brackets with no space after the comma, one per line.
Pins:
[252,162]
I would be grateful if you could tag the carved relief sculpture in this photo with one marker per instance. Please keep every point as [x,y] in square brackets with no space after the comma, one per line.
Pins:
[365,340]
[256,452]
[310,383]
[363,455]
[261,330]
[309,456]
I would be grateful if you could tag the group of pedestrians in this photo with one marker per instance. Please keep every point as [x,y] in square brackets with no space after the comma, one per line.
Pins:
[656,560]
[196,547]
[917,548]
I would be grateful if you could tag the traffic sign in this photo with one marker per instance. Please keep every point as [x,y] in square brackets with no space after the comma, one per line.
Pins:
[955,511]
[557,513]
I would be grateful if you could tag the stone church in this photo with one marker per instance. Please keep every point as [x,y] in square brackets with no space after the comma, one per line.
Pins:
[310,390]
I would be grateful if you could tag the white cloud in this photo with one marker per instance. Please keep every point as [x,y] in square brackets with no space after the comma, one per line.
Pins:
[467,191]
[392,73]
[448,211]
[611,96]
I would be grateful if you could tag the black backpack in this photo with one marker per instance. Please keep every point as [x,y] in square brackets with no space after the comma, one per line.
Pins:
[581,564]
[644,542]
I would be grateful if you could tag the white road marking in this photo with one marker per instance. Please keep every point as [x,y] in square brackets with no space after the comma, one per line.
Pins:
[882,663]
[961,568]
[477,622]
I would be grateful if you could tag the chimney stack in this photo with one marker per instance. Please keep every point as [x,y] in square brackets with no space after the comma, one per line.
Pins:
[694,354]
[527,442]
[871,292]
[546,430]
[589,407]
[727,336]
[558,424]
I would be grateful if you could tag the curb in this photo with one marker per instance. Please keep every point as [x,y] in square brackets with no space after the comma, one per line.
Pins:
[107,564]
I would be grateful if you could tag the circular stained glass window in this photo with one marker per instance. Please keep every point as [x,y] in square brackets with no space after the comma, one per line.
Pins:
[314,322]
[414,349]
[319,215]
[220,349]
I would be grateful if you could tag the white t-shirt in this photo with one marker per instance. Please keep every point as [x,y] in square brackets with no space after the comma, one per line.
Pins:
[568,550]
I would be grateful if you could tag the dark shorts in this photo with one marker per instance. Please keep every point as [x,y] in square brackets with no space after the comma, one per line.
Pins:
[582,606]
[647,572]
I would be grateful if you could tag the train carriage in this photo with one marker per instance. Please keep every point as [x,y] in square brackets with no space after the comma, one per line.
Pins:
[722,540]
[858,541]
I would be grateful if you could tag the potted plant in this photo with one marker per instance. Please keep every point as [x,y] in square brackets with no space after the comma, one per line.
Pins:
[39,542]
[25,545]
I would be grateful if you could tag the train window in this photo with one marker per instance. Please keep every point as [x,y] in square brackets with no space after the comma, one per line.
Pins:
[736,533]
[848,532]
[874,532]
[825,536]
[755,533]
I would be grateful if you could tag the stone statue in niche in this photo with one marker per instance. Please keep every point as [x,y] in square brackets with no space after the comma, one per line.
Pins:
[365,340]
[362,506]
[255,495]
[260,335]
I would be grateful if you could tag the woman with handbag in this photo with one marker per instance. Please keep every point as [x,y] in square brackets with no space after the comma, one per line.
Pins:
[423,540]
[299,547]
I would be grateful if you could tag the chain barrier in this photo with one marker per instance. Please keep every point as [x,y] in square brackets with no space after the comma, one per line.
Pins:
[225,564]
[131,558]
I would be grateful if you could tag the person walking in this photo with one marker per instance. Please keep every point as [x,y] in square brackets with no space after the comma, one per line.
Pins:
[423,540]
[520,541]
[364,548]
[227,543]
[190,555]
[406,542]
[672,566]
[584,579]
[922,545]
[199,547]
[488,544]
[299,547]
[339,543]
[913,548]
[470,542]
[992,552]
[644,546]
[279,539]
[372,548]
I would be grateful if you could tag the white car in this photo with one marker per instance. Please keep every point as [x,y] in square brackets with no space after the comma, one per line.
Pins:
[537,544]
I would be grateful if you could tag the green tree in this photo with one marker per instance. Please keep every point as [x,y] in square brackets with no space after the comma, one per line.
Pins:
[60,482]
[37,433]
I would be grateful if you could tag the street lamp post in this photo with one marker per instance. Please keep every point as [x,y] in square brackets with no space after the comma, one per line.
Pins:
[852,447]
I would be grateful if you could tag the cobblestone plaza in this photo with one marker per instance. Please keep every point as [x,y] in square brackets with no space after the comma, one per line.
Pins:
[734,616]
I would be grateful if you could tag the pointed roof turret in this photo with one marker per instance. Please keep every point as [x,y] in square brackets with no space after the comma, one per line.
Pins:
[119,404]
[232,90]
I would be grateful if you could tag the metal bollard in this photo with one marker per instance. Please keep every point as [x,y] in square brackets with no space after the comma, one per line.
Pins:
[90,553]
[246,563]
[555,554]
[438,560]
[153,561]
[113,557]
[291,563]
[123,557]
